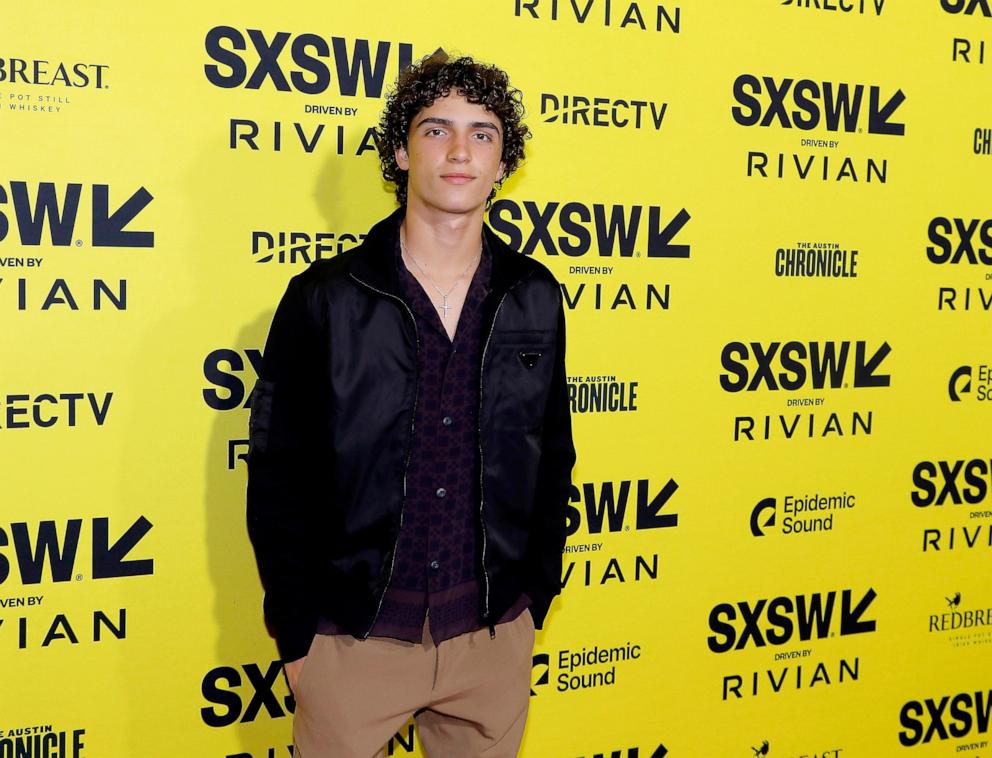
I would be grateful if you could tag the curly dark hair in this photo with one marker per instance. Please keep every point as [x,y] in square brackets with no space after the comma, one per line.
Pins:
[435,76]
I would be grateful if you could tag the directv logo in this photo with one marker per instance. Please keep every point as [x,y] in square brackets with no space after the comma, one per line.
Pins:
[602,111]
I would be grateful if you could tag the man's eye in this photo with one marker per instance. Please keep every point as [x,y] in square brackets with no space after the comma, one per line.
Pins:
[435,129]
[485,135]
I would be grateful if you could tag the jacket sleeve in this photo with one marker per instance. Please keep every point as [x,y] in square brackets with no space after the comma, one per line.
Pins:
[283,481]
[554,483]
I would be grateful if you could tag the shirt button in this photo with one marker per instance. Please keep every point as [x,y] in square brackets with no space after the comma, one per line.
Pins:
[435,565]
[441,492]
[447,421]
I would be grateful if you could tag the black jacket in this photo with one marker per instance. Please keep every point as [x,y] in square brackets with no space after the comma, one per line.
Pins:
[331,428]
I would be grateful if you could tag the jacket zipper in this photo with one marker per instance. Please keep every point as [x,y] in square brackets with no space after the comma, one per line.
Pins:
[482,498]
[409,446]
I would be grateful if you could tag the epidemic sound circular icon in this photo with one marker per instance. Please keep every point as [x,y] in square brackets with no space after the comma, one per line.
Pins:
[759,522]
[960,383]
[762,749]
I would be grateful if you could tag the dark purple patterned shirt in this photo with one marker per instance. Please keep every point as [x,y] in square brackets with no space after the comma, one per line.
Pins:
[437,554]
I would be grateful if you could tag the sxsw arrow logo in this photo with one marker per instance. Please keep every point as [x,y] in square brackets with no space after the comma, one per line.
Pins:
[57,548]
[879,117]
[865,370]
[807,105]
[777,620]
[608,507]
[59,212]
[575,228]
[660,240]
[632,752]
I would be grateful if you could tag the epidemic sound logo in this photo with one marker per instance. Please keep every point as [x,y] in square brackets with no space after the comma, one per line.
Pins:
[577,110]
[829,366]
[622,14]
[950,717]
[803,616]
[614,230]
[807,105]
[960,383]
[845,6]
[317,62]
[58,74]
[300,247]
[763,515]
[587,668]
[45,544]
[967,7]
[42,742]
[928,475]
[33,210]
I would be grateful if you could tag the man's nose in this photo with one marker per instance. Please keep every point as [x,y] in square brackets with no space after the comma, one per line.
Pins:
[458,148]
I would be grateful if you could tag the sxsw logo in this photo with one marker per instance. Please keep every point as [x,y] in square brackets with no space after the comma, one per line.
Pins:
[633,752]
[223,368]
[608,508]
[968,7]
[314,61]
[954,241]
[810,365]
[578,110]
[937,482]
[807,105]
[56,546]
[778,620]
[624,231]
[58,209]
[949,717]
[240,694]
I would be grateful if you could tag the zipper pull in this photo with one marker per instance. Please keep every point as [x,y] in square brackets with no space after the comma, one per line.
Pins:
[492,632]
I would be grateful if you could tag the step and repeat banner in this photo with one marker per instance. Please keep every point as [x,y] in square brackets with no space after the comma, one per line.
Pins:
[773,230]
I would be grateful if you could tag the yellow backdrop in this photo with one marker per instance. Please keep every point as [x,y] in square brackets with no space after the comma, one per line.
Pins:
[772,224]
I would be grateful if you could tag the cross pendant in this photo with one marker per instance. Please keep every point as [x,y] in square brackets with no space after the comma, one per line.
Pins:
[444,306]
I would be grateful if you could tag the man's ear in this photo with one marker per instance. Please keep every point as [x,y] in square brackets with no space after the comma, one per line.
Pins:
[502,171]
[402,159]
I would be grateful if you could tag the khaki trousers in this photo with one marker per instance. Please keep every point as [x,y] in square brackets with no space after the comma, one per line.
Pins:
[468,696]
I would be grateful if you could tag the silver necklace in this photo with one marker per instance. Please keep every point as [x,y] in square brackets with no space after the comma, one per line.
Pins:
[444,295]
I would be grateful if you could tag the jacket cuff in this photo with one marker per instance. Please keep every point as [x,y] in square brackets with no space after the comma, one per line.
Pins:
[293,637]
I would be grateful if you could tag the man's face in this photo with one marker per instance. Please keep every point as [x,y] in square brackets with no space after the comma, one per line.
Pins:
[452,157]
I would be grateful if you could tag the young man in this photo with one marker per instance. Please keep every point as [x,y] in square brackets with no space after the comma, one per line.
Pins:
[411,447]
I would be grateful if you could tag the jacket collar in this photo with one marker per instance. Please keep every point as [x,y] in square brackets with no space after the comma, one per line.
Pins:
[374,263]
